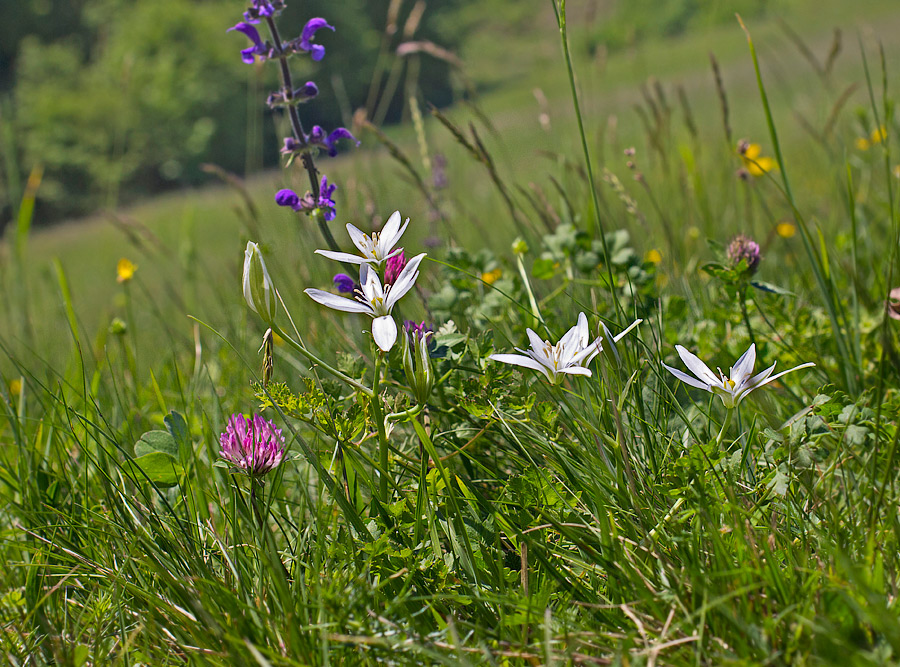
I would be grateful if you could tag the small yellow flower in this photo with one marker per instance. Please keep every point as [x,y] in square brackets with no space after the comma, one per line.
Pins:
[653,256]
[15,387]
[125,270]
[786,230]
[877,136]
[756,163]
[491,276]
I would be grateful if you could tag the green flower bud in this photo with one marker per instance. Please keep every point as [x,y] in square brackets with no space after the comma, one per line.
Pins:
[519,247]
[417,364]
[258,288]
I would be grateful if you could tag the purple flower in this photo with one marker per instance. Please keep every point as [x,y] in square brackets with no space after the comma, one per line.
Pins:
[418,329]
[324,203]
[744,248]
[262,8]
[258,48]
[255,446]
[393,268]
[287,197]
[344,283]
[317,51]
[317,137]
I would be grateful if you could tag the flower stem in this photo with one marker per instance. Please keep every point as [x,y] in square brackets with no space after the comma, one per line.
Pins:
[321,364]
[378,416]
[725,424]
[742,300]
[287,91]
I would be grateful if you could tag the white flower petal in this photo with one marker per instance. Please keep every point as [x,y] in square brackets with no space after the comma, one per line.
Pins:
[337,302]
[630,327]
[743,367]
[537,344]
[522,360]
[405,280]
[696,366]
[587,354]
[687,379]
[360,240]
[576,370]
[384,331]
[342,256]
[391,233]
[767,380]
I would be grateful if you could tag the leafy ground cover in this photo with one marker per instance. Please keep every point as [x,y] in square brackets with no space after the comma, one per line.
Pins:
[438,500]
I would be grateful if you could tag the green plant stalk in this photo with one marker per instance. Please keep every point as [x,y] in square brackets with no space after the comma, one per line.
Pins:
[321,364]
[729,413]
[560,11]
[378,416]
[742,301]
[813,256]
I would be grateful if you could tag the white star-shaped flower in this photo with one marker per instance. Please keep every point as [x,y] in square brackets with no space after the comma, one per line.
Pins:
[568,357]
[374,300]
[733,387]
[374,249]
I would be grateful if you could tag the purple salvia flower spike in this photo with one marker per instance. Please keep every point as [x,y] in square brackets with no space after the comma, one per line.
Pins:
[309,30]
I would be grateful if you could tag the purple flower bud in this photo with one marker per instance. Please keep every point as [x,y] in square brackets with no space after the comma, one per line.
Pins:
[255,446]
[744,248]
[344,283]
[291,145]
[417,329]
[306,92]
[258,48]
[263,8]
[393,268]
[309,30]
[287,197]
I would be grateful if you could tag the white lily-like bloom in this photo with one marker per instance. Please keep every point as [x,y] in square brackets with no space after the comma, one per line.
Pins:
[374,300]
[568,357]
[374,249]
[732,388]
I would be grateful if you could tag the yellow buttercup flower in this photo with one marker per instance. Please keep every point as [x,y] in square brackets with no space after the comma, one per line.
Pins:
[15,387]
[125,270]
[490,277]
[756,163]
[877,136]
[653,256]
[786,230]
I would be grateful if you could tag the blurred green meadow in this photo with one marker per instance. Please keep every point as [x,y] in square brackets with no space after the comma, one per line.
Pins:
[595,522]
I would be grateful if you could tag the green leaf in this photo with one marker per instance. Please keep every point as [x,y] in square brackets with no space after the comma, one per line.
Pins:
[178,428]
[159,467]
[156,441]
[543,269]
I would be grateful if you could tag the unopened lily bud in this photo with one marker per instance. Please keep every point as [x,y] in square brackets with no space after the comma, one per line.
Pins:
[417,360]
[258,288]
[424,377]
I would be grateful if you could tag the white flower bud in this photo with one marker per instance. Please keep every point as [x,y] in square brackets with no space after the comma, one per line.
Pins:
[258,288]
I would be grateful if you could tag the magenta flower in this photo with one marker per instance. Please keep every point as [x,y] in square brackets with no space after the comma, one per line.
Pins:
[258,48]
[255,446]
[393,268]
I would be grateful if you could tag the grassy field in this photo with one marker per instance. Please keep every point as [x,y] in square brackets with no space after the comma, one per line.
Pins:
[494,518]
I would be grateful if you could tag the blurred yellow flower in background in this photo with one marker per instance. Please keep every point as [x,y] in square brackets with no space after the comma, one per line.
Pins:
[125,270]
[877,136]
[786,230]
[756,163]
[490,277]
[653,256]
[15,387]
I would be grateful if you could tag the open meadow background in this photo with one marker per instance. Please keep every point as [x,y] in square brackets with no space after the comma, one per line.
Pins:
[613,520]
